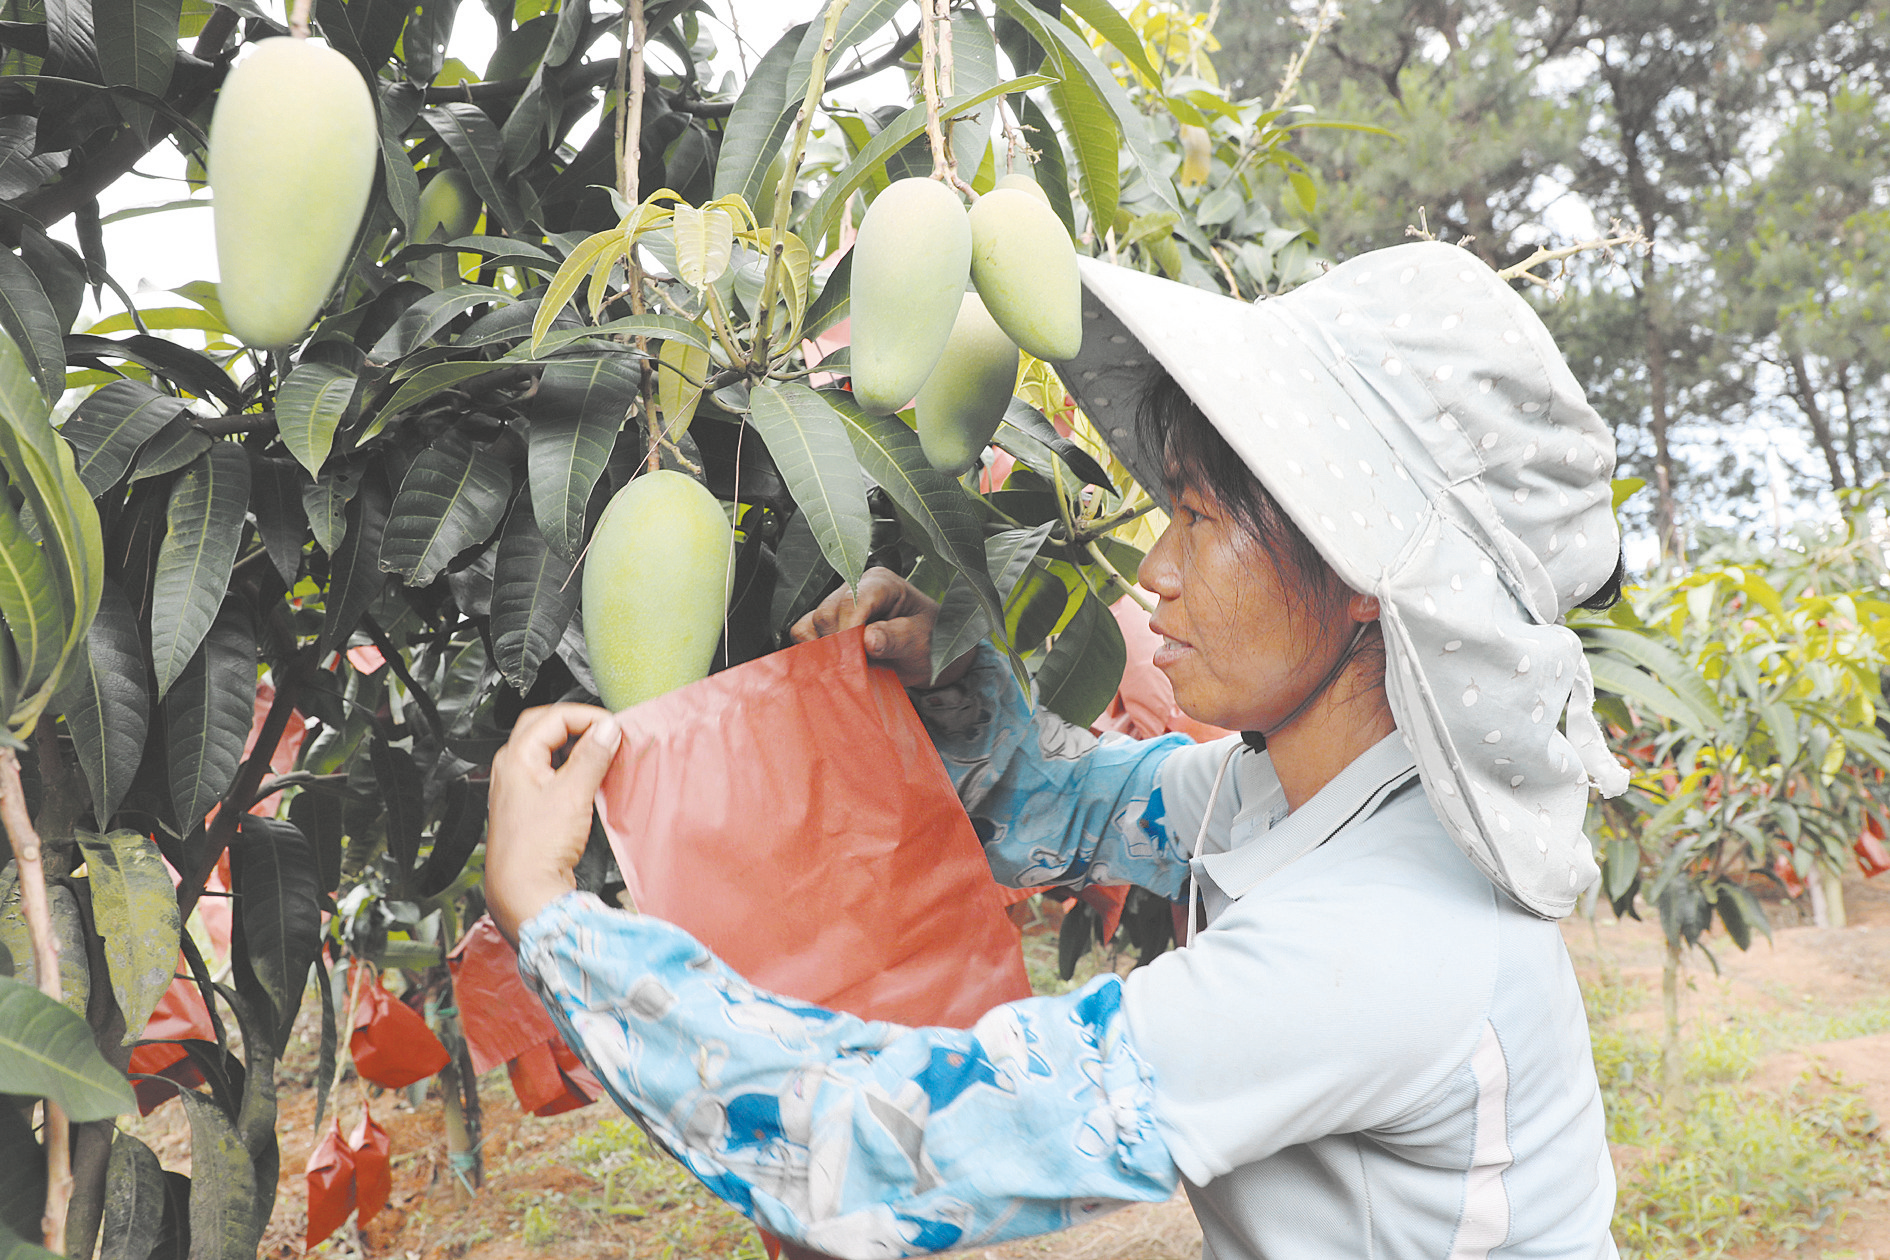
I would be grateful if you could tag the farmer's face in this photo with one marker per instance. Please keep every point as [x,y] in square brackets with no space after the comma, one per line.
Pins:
[1245,638]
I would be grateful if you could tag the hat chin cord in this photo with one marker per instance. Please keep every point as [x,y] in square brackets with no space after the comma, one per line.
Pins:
[1257,740]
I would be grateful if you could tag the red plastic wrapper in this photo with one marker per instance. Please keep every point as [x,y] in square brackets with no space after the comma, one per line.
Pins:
[504,1022]
[550,1079]
[373,1178]
[392,1046]
[499,1017]
[330,1185]
[179,1016]
[1873,857]
[792,814]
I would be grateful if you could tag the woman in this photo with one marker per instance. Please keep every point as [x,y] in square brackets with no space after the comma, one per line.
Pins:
[1386,490]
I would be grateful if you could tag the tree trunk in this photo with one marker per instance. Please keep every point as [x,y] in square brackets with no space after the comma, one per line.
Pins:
[1672,1070]
[1832,885]
[1666,519]
[1806,396]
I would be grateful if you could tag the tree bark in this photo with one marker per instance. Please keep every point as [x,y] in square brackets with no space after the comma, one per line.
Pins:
[1806,395]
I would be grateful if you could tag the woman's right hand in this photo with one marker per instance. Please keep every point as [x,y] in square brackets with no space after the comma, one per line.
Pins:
[899,619]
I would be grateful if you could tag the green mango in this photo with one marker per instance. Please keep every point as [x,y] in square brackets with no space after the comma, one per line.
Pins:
[1025,268]
[910,263]
[448,207]
[963,401]
[293,151]
[656,584]
[1023,182]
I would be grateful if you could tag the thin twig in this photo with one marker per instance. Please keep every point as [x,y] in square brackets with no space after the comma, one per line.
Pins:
[630,117]
[1317,25]
[1525,269]
[298,20]
[39,928]
[928,88]
[784,192]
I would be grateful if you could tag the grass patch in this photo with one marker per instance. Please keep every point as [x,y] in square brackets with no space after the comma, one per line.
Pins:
[1729,1167]
[672,1215]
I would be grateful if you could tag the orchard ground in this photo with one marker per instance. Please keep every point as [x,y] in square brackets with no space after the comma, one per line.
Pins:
[1779,1150]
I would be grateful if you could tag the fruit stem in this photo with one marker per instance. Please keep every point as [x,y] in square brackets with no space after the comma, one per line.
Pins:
[784,192]
[942,167]
[298,20]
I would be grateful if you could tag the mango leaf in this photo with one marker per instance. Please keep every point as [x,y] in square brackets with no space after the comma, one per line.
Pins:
[107,703]
[171,448]
[356,577]
[705,241]
[23,1189]
[309,407]
[277,489]
[397,175]
[962,621]
[759,123]
[134,1201]
[974,68]
[1112,26]
[27,316]
[1083,669]
[802,574]
[1077,63]
[426,317]
[534,594]
[820,219]
[1022,418]
[432,380]
[135,909]
[278,892]
[223,1224]
[137,47]
[835,301]
[204,526]
[891,455]
[810,445]
[46,1051]
[1667,665]
[576,415]
[476,143]
[13,1247]
[681,372]
[69,933]
[30,600]
[110,426]
[1094,144]
[207,715]
[453,496]
[256,1117]
[1645,690]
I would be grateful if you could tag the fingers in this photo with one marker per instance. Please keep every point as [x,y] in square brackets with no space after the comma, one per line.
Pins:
[541,733]
[881,594]
[905,643]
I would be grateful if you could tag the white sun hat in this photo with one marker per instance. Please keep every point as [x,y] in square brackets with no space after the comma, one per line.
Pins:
[1413,416]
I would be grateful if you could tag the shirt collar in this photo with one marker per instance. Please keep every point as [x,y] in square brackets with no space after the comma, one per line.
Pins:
[1354,793]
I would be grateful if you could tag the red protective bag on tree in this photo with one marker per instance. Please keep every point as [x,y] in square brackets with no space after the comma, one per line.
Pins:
[392,1046]
[330,1185]
[1872,855]
[373,1178]
[504,1022]
[178,1016]
[792,814]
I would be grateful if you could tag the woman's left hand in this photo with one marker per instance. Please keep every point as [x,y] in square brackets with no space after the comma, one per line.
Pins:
[540,810]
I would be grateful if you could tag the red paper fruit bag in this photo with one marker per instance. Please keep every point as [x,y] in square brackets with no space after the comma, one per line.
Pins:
[793,815]
[391,1045]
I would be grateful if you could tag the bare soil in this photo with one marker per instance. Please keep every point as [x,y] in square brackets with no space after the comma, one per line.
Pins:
[543,1198]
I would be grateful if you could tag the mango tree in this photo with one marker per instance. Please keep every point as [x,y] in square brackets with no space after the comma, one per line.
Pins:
[329,571]
[1746,695]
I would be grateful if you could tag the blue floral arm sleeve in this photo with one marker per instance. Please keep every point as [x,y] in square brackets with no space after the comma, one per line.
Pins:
[1052,803]
[856,1139]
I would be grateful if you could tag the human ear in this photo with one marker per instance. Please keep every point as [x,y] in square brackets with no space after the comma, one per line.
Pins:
[1362,607]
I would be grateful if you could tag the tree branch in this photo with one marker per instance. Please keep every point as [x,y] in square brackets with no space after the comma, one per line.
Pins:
[39,927]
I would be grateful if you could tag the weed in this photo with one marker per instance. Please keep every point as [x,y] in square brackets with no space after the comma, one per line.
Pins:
[1726,1167]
